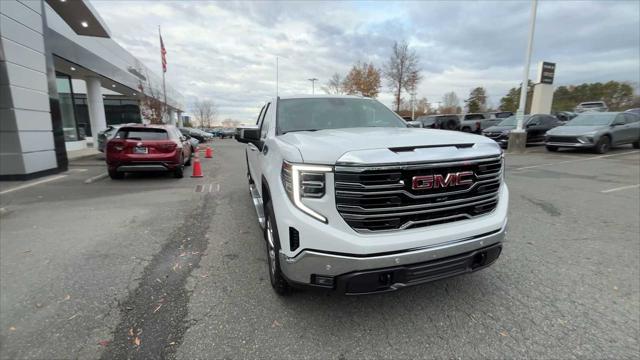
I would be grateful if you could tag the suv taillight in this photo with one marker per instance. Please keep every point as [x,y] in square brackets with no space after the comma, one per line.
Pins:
[168,147]
[115,146]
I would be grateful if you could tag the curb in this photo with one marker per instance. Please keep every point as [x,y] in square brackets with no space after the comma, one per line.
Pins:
[96,178]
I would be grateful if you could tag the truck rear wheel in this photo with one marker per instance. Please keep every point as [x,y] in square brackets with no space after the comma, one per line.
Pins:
[272,240]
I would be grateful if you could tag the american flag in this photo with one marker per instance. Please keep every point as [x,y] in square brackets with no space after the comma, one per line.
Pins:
[163,53]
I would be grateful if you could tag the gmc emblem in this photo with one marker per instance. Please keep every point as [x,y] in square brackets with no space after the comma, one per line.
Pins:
[426,182]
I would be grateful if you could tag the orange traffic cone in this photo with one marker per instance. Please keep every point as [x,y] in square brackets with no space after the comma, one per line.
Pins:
[197,168]
[208,153]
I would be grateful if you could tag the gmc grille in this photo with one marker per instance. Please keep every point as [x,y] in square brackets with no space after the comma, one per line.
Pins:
[373,199]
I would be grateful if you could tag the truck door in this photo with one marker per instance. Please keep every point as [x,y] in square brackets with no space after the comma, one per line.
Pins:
[265,126]
[253,151]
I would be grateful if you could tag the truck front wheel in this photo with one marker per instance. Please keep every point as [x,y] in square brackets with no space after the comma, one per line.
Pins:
[279,284]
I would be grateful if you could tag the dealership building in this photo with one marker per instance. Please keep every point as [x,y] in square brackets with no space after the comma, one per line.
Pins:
[63,80]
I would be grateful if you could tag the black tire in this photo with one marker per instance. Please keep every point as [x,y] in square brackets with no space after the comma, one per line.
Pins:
[466,129]
[636,145]
[551,148]
[451,125]
[188,163]
[272,242]
[178,173]
[603,145]
[116,175]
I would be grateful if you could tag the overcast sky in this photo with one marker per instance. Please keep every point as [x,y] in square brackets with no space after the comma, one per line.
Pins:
[226,51]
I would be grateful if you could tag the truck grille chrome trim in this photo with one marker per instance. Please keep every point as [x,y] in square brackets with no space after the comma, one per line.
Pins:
[381,198]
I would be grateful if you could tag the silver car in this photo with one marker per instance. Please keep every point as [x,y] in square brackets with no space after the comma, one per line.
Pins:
[592,106]
[596,130]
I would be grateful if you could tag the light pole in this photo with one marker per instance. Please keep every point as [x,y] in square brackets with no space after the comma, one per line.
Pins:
[517,138]
[313,85]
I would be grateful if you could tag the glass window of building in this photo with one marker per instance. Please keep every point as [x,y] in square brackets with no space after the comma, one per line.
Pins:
[67,111]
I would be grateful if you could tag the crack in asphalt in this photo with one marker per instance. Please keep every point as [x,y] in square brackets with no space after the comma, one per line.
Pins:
[153,316]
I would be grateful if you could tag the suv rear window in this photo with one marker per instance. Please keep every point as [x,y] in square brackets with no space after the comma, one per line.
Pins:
[474,117]
[143,134]
[448,117]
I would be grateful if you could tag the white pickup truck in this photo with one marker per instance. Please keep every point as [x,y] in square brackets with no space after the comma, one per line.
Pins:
[353,200]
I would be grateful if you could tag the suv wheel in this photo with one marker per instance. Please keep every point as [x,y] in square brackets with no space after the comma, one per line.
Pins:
[279,284]
[636,145]
[603,145]
[552,148]
[188,163]
[178,173]
[116,175]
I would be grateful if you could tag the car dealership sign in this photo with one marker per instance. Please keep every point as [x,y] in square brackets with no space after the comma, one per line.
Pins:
[546,72]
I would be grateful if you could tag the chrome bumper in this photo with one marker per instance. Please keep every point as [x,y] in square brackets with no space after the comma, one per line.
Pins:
[300,268]
[574,145]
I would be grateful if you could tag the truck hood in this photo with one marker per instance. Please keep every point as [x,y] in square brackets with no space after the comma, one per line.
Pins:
[387,145]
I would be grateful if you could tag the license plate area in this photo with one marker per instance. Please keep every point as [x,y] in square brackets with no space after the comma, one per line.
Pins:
[140,150]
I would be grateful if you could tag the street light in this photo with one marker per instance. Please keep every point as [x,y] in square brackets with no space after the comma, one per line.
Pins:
[313,85]
[518,135]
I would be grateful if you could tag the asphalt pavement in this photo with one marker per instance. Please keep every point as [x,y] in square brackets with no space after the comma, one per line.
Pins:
[152,267]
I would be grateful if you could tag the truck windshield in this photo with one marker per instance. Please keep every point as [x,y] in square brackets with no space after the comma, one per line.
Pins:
[312,114]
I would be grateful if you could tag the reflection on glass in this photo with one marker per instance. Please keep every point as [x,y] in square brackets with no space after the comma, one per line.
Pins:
[65,96]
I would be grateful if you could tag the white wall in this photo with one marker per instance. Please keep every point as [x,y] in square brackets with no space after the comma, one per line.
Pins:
[26,137]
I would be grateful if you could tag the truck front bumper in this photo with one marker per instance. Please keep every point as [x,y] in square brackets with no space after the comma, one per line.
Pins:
[365,274]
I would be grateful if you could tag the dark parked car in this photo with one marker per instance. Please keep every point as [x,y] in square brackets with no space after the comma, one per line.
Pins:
[139,148]
[565,116]
[596,130]
[446,122]
[534,125]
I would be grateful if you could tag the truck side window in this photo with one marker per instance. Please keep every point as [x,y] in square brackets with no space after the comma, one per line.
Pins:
[266,121]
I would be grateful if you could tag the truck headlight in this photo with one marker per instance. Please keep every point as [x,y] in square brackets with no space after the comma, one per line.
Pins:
[305,181]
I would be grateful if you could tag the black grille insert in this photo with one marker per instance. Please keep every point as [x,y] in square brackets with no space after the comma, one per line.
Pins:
[382,198]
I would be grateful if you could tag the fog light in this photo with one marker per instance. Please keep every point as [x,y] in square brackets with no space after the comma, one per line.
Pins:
[326,281]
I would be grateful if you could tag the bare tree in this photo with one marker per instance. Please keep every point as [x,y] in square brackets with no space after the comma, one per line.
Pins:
[152,108]
[230,123]
[334,86]
[363,79]
[205,112]
[450,103]
[402,71]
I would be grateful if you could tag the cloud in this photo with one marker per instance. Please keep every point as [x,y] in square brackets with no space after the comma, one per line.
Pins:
[226,51]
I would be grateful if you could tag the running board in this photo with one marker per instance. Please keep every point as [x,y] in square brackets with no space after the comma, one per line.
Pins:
[257,203]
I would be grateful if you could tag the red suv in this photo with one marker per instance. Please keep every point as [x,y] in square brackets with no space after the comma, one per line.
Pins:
[137,148]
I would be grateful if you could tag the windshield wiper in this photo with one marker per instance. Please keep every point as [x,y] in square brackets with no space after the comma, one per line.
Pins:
[288,131]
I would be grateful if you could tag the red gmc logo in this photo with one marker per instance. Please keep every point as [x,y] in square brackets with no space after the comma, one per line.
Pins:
[442,181]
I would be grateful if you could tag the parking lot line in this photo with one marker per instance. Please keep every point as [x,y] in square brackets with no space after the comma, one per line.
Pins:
[45,180]
[576,160]
[620,188]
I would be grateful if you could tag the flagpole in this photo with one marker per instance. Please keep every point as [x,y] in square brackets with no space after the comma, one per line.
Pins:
[164,85]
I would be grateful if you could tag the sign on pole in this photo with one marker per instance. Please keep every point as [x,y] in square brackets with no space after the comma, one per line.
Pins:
[546,72]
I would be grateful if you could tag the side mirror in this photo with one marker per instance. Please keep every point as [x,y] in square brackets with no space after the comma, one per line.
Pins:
[617,124]
[249,134]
